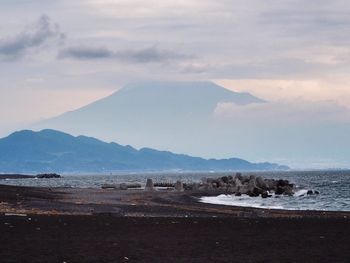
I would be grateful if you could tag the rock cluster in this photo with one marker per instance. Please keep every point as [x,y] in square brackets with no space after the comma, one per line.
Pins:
[243,184]
[51,175]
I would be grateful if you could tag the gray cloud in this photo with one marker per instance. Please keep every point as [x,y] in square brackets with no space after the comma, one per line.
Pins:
[145,55]
[35,36]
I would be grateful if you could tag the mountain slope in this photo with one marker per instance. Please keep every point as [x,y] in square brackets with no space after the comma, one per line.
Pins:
[54,151]
[162,115]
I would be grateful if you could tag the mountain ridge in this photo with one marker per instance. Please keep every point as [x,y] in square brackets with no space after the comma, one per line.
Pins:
[155,113]
[54,151]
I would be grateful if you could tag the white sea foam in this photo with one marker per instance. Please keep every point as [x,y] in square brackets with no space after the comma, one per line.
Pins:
[243,200]
[301,192]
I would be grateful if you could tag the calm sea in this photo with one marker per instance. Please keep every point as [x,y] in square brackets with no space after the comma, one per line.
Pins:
[334,187]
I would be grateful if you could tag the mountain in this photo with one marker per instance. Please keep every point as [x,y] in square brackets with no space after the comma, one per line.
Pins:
[176,116]
[54,151]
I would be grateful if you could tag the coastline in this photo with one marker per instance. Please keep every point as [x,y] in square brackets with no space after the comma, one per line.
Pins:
[96,225]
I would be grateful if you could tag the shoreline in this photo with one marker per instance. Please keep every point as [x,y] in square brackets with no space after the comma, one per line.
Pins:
[91,201]
[97,225]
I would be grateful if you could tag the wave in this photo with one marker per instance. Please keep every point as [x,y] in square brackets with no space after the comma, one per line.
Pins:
[244,201]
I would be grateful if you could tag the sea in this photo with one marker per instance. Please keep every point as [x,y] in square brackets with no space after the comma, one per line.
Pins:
[333,186]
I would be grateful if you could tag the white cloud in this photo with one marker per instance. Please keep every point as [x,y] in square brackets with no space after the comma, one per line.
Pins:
[288,113]
[34,36]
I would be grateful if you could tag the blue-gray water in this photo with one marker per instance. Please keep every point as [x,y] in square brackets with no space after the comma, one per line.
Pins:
[334,187]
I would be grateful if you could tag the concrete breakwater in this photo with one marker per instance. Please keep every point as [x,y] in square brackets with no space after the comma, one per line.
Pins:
[237,184]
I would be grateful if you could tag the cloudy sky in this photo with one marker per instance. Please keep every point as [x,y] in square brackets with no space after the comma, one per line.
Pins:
[58,55]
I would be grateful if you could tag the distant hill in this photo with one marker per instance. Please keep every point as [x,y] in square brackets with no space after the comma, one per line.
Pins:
[54,151]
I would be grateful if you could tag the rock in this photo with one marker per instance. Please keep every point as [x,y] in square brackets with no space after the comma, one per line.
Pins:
[48,176]
[279,190]
[203,187]
[282,183]
[231,189]
[238,194]
[237,182]
[179,186]
[224,179]
[245,179]
[271,184]
[260,182]
[149,185]
[253,189]
[310,192]
[195,186]
[264,194]
[210,180]
[133,185]
[211,186]
[108,186]
[221,183]
[288,190]
[244,189]
[123,186]
[317,192]
[285,190]
[254,192]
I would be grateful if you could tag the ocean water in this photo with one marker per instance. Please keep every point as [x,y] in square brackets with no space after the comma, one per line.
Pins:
[334,187]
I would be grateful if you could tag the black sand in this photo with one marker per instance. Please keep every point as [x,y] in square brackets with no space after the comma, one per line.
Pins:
[160,227]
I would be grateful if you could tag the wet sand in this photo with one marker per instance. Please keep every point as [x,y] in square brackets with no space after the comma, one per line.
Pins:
[93,225]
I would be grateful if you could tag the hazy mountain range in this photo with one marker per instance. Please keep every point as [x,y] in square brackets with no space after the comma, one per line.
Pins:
[54,151]
[204,119]
[174,116]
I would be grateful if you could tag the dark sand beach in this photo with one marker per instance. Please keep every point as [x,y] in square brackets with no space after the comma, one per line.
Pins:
[95,225]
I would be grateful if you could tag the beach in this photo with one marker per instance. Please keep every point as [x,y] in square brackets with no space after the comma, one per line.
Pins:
[96,225]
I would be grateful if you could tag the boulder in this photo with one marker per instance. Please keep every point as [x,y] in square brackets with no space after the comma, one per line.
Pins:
[244,189]
[123,186]
[253,189]
[271,184]
[245,179]
[231,189]
[254,192]
[282,183]
[108,186]
[221,183]
[285,190]
[310,192]
[239,176]
[210,180]
[203,187]
[265,194]
[260,182]
[279,190]
[237,182]
[225,179]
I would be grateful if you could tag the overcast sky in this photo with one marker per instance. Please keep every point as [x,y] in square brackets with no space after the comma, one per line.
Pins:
[58,55]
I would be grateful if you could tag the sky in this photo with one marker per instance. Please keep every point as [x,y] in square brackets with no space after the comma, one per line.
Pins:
[58,55]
